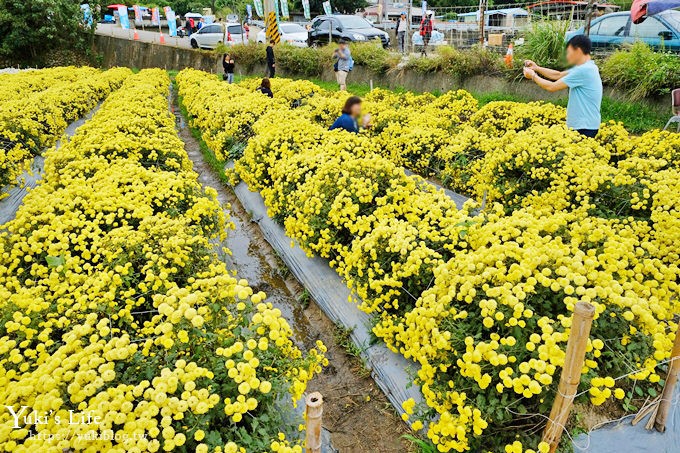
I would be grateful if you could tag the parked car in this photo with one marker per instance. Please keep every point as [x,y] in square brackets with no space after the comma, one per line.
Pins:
[437,39]
[212,35]
[612,30]
[349,28]
[294,34]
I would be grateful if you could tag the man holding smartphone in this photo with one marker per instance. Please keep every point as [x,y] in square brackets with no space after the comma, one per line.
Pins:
[583,81]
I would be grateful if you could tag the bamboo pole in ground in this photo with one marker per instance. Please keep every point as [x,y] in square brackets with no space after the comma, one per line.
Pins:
[669,386]
[314,409]
[581,322]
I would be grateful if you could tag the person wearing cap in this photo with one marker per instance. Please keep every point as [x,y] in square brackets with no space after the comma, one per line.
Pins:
[402,28]
[343,64]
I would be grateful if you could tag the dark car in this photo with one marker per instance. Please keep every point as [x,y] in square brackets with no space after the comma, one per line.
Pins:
[616,29]
[349,28]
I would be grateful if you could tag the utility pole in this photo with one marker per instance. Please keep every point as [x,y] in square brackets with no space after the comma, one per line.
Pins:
[482,20]
[407,36]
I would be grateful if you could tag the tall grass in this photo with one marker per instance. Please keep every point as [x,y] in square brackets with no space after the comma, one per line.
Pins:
[544,44]
[642,72]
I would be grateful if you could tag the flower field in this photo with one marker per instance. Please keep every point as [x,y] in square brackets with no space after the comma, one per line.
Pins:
[40,106]
[479,298]
[121,328]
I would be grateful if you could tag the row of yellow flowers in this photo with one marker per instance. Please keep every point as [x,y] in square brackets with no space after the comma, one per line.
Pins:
[481,302]
[23,83]
[40,106]
[122,330]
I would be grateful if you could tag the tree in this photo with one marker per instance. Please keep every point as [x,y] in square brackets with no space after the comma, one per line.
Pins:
[29,29]
[342,6]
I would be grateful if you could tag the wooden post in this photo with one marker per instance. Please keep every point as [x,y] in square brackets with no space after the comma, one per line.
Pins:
[581,322]
[314,409]
[589,16]
[671,380]
[482,20]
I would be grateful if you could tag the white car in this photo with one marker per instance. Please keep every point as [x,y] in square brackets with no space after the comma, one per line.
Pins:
[212,35]
[293,34]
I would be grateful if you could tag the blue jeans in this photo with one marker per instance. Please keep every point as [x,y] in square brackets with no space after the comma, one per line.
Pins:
[230,77]
[588,132]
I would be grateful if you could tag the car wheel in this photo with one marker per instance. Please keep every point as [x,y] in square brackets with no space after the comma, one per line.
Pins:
[194,44]
[314,45]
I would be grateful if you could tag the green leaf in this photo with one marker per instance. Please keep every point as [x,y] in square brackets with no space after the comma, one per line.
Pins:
[55,261]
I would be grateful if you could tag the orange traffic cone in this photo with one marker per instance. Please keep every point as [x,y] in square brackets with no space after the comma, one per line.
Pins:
[135,36]
[229,38]
[509,56]
[162,39]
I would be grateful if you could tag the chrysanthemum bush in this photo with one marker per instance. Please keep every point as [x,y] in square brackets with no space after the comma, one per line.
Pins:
[40,105]
[481,301]
[116,309]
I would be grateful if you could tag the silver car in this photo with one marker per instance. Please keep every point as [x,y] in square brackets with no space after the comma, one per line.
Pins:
[212,35]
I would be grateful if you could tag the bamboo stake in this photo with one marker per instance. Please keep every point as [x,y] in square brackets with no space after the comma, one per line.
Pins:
[581,322]
[314,404]
[669,386]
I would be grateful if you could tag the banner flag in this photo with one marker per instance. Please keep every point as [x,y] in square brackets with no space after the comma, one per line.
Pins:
[123,16]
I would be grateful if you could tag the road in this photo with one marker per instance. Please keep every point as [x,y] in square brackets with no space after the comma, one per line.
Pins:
[152,35]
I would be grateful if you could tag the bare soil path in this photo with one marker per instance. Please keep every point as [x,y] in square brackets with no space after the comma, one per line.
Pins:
[357,414]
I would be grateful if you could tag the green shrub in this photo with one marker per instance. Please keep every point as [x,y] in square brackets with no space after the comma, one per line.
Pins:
[544,44]
[309,62]
[372,55]
[306,61]
[247,56]
[641,72]
[459,63]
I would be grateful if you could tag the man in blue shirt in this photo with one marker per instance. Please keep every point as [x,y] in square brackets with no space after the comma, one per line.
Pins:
[583,81]
[350,114]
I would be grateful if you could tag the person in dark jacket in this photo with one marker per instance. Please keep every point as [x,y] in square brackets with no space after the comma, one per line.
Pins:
[228,66]
[426,27]
[271,61]
[350,114]
[265,88]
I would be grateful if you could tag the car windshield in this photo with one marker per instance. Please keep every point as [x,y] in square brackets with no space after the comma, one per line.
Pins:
[673,18]
[354,22]
[292,28]
[234,29]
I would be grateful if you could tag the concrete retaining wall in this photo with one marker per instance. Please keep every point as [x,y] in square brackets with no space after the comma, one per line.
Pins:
[136,54]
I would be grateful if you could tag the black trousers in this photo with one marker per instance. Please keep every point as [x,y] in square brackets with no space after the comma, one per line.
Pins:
[588,132]
[271,71]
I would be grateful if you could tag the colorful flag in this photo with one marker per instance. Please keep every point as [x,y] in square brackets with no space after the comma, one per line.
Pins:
[123,17]
[172,20]
[155,16]
[305,8]
[249,11]
[87,14]
[327,8]
[284,9]
[138,13]
[258,7]
[424,8]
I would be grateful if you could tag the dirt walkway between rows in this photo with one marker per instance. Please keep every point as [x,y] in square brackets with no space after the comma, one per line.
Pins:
[357,414]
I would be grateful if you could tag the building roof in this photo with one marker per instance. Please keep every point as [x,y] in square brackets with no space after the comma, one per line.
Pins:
[570,3]
[504,12]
